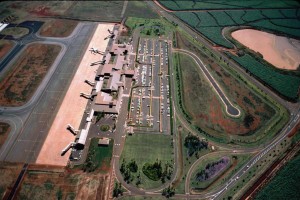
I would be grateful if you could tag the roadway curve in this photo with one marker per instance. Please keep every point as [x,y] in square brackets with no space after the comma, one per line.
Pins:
[230,109]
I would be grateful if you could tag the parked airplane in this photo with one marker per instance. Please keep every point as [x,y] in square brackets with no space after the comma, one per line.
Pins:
[95,50]
[101,62]
[112,35]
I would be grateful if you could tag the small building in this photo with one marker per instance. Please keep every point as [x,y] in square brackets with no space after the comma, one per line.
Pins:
[103,142]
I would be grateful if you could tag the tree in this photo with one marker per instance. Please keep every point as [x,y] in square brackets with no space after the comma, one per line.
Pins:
[117,190]
[132,166]
[168,192]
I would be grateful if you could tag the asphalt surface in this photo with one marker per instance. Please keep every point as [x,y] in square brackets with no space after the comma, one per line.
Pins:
[32,121]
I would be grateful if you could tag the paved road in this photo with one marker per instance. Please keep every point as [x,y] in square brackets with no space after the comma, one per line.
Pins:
[230,109]
[33,120]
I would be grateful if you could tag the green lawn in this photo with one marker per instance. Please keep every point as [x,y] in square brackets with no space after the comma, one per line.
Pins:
[147,148]
[100,156]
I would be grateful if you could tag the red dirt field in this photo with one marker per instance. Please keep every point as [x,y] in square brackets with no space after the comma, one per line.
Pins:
[5,47]
[55,182]
[282,52]
[4,131]
[58,28]
[212,118]
[26,74]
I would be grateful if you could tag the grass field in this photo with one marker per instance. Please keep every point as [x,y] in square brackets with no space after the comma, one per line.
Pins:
[208,112]
[101,155]
[147,148]
[4,131]
[16,32]
[223,4]
[277,21]
[25,75]
[58,28]
[289,185]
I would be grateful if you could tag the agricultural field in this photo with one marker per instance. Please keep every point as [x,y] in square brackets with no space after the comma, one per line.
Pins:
[58,28]
[16,32]
[4,131]
[108,11]
[223,4]
[279,21]
[8,175]
[5,47]
[156,148]
[20,82]
[257,113]
[289,185]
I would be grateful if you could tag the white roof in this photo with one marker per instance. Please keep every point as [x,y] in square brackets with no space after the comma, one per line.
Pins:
[83,136]
[2,26]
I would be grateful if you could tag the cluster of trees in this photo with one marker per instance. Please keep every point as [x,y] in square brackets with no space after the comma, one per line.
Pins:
[117,190]
[90,165]
[156,171]
[212,169]
[168,192]
[99,116]
[127,169]
[194,144]
[248,120]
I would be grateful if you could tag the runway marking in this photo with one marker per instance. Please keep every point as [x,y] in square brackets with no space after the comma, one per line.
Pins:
[54,90]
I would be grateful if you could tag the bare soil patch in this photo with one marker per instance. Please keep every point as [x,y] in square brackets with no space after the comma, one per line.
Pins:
[20,83]
[58,28]
[4,131]
[282,52]
[44,183]
[5,47]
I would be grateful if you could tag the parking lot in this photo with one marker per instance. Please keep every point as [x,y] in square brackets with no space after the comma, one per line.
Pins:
[149,107]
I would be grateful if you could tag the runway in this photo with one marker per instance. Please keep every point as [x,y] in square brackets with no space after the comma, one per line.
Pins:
[32,121]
